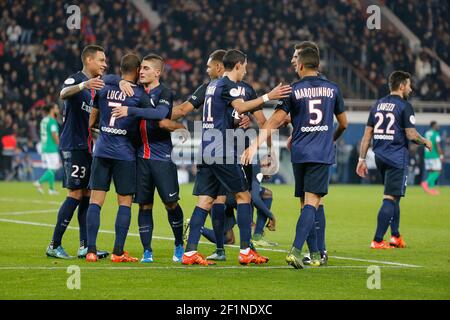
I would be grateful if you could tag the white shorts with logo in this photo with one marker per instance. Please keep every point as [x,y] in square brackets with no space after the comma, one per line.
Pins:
[433,164]
[50,160]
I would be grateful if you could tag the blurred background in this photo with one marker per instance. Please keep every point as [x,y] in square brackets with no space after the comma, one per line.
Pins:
[38,52]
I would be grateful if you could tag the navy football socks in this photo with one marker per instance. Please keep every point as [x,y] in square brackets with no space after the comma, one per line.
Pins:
[65,214]
[82,213]
[395,224]
[385,216]
[122,225]
[311,240]
[196,223]
[218,223]
[175,217]
[305,224]
[209,234]
[320,225]
[145,222]
[244,221]
[92,225]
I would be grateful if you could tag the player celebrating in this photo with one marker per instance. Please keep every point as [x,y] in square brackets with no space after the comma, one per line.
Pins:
[115,157]
[49,148]
[316,239]
[312,103]
[433,159]
[391,124]
[216,172]
[155,168]
[215,70]
[78,94]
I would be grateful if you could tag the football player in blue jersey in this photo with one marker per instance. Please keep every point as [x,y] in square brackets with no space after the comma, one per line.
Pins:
[391,125]
[220,169]
[215,70]
[312,105]
[75,146]
[115,157]
[155,169]
[317,234]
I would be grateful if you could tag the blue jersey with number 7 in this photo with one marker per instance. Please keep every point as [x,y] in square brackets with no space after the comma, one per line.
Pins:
[312,104]
[117,138]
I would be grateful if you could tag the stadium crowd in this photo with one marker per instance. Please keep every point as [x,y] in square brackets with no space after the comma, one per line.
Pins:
[38,51]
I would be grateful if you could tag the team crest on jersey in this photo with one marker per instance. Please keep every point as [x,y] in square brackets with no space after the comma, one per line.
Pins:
[69,81]
[235,92]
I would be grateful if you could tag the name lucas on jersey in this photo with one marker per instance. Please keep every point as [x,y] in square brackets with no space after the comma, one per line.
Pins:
[115,95]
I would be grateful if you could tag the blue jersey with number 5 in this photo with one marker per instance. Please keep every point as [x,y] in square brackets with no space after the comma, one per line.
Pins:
[389,118]
[312,104]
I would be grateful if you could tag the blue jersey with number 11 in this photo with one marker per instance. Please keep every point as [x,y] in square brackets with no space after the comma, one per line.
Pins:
[312,104]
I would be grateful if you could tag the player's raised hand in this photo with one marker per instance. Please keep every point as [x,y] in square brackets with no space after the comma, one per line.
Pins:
[127,87]
[361,168]
[245,121]
[119,112]
[248,154]
[280,92]
[94,83]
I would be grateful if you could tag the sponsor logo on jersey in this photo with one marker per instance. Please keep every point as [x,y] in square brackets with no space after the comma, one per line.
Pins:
[69,81]
[114,131]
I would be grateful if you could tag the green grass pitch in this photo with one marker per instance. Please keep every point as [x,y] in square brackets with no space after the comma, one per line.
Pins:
[421,271]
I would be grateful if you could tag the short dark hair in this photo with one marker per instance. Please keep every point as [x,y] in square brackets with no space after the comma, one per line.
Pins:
[232,57]
[89,50]
[153,56]
[129,63]
[307,44]
[47,108]
[218,55]
[309,57]
[397,78]
[433,123]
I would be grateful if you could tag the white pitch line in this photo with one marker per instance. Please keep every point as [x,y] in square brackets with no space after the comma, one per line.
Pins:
[20,213]
[192,267]
[232,246]
[29,201]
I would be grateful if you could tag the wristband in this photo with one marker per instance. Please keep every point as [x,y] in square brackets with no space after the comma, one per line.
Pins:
[81,86]
[361,159]
[265,97]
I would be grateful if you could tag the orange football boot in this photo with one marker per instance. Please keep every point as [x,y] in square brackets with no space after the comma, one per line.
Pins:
[252,257]
[380,245]
[196,258]
[397,242]
[123,258]
[91,257]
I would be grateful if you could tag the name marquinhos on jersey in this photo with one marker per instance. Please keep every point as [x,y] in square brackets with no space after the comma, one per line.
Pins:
[313,93]
[115,95]
[386,107]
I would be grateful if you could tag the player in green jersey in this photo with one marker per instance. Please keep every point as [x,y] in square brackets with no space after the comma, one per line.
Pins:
[49,133]
[433,159]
